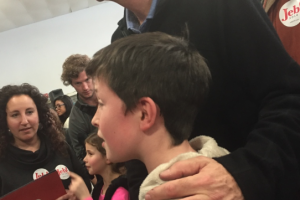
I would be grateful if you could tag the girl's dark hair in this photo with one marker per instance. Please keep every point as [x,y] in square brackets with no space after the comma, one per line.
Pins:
[68,103]
[49,125]
[96,141]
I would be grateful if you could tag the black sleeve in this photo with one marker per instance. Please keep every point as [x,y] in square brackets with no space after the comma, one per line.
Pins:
[78,131]
[97,189]
[267,167]
[79,169]
[68,139]
[121,31]
[0,187]
[136,173]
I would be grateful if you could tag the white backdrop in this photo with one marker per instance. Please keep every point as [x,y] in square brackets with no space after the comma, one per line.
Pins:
[35,53]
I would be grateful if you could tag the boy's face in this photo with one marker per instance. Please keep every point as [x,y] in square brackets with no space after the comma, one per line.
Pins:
[119,131]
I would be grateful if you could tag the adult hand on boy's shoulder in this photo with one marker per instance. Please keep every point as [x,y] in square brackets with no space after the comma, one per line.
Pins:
[197,178]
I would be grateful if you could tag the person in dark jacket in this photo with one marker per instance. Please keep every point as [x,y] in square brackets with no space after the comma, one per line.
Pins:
[253,108]
[113,186]
[31,141]
[284,15]
[73,73]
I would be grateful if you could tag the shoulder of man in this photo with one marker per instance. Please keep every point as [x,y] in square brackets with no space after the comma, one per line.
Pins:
[87,109]
[77,116]
[122,30]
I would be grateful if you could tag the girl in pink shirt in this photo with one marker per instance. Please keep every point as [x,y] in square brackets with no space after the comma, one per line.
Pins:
[112,186]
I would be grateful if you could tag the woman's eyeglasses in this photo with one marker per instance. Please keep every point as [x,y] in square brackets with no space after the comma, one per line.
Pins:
[58,106]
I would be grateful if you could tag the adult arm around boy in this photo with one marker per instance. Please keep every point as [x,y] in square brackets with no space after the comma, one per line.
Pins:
[197,178]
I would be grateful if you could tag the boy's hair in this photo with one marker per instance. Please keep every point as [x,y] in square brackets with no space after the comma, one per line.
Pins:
[156,65]
[72,66]
[94,140]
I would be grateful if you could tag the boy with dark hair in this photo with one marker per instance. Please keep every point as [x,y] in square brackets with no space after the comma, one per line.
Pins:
[149,89]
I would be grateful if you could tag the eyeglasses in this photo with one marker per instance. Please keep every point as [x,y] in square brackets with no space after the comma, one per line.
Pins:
[58,106]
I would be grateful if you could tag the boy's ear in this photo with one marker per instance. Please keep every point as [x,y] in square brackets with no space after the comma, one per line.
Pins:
[148,110]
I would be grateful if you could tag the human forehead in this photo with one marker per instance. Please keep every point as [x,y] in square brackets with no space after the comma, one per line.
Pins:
[81,77]
[90,147]
[104,93]
[100,85]
[18,102]
[58,102]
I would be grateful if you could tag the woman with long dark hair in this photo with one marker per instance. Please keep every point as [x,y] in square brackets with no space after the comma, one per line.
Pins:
[31,140]
[63,106]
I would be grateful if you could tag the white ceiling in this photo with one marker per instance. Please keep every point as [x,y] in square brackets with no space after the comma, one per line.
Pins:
[16,13]
[35,53]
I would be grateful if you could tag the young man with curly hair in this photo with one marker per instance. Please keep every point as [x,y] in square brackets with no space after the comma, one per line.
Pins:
[81,115]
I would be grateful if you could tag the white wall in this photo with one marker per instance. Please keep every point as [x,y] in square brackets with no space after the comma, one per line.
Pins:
[35,53]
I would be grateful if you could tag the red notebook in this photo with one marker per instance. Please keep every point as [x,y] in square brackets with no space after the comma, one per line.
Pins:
[48,187]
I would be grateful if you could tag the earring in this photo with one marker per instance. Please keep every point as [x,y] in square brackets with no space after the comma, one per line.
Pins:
[9,132]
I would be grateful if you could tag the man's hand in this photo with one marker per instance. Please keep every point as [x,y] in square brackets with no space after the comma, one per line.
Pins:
[196,178]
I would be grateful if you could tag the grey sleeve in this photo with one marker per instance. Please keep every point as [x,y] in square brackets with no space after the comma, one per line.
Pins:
[79,129]
[80,170]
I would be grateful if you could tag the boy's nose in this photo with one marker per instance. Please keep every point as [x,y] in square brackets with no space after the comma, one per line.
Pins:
[94,120]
